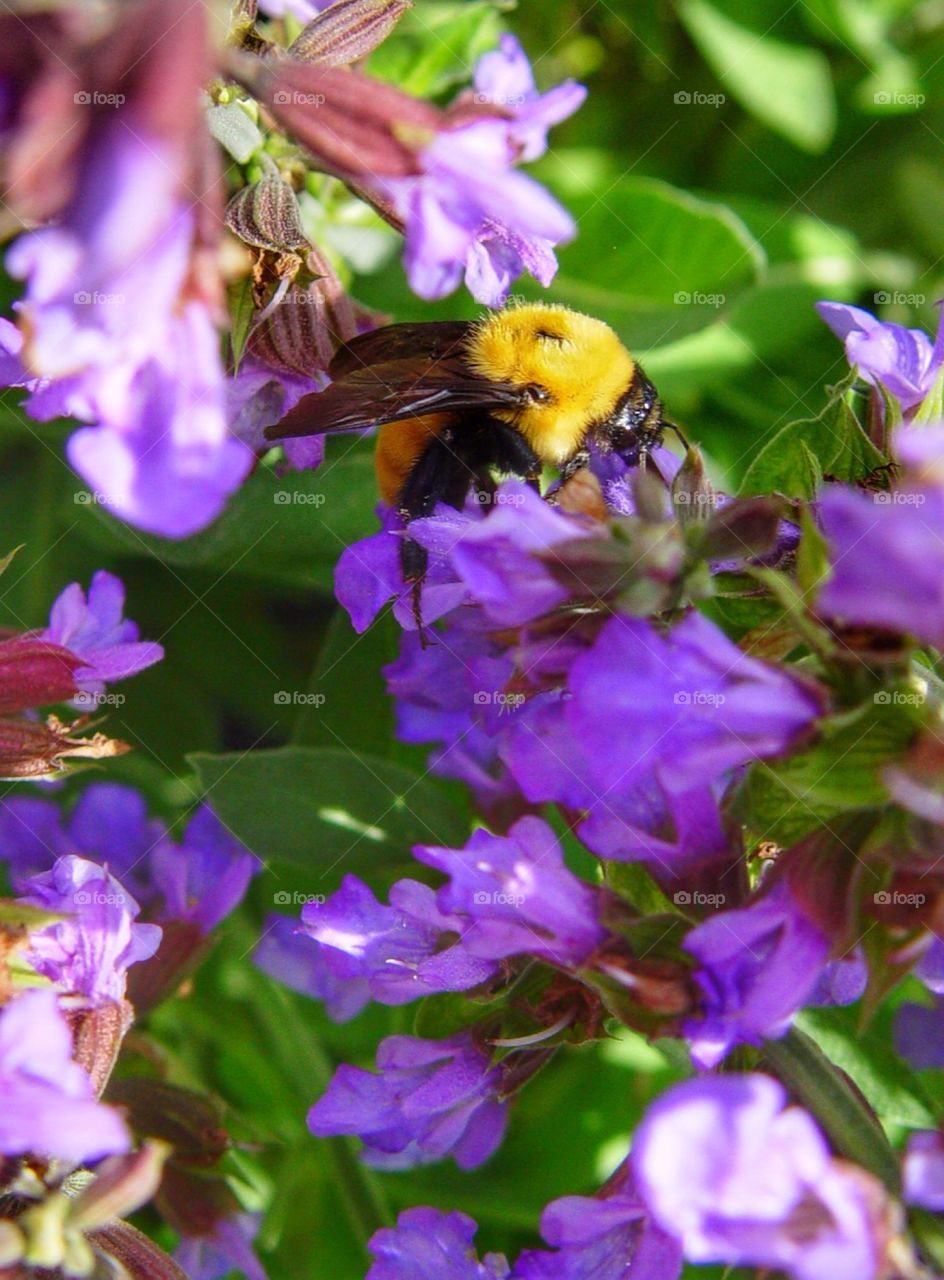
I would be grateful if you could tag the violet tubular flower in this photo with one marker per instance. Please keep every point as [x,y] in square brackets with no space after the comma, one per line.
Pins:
[95,629]
[757,966]
[739,1177]
[49,1104]
[290,957]
[427,1244]
[518,896]
[903,360]
[923,1170]
[430,1099]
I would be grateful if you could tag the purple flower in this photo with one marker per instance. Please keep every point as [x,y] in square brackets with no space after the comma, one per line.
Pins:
[115,338]
[432,1098]
[96,630]
[228,1248]
[258,396]
[471,213]
[205,877]
[303,10]
[919,1033]
[930,968]
[609,1237]
[497,560]
[90,952]
[841,981]
[402,951]
[289,956]
[902,360]
[429,1245]
[886,553]
[756,967]
[923,1170]
[518,895]
[49,1104]
[503,78]
[739,1178]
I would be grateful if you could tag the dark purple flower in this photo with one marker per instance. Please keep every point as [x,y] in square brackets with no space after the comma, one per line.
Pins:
[605,1237]
[930,968]
[471,213]
[403,951]
[90,952]
[503,79]
[289,956]
[886,554]
[923,1170]
[429,1245]
[431,1099]
[96,630]
[205,877]
[902,360]
[738,1177]
[841,981]
[518,895]
[32,836]
[757,966]
[49,1105]
[919,1033]
[258,396]
[227,1249]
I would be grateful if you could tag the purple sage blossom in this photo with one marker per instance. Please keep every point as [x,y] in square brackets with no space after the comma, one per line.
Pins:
[90,952]
[228,1248]
[49,1104]
[919,1033]
[95,629]
[923,1170]
[289,956]
[757,966]
[427,1244]
[258,396]
[886,558]
[431,1099]
[503,78]
[518,895]
[605,1237]
[738,1177]
[205,877]
[902,360]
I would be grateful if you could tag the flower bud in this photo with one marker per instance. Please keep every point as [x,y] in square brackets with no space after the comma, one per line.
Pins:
[347,31]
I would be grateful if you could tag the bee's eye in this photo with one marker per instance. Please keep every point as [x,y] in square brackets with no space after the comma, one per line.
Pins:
[536,394]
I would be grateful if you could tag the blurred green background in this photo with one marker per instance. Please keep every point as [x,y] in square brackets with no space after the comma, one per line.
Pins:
[732,165]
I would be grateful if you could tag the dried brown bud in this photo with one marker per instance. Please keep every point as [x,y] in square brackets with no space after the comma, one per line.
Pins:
[347,31]
[32,750]
[306,328]
[139,1257]
[97,1033]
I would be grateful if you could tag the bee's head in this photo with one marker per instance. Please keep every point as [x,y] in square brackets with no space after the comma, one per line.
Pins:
[635,426]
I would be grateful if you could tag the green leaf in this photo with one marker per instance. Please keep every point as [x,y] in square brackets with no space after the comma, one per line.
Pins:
[436,47]
[812,566]
[241,310]
[797,457]
[810,1075]
[327,811]
[657,262]
[785,799]
[893,1090]
[786,86]
[232,128]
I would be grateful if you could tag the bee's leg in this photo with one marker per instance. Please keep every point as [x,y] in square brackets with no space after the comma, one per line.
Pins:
[577,463]
[670,426]
[510,452]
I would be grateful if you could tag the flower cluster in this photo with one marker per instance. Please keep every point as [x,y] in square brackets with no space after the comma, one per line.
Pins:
[123,312]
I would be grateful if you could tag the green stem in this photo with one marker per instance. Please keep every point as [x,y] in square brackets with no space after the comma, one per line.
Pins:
[826,1091]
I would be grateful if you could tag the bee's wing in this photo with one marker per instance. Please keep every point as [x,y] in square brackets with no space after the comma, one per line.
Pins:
[391,392]
[429,341]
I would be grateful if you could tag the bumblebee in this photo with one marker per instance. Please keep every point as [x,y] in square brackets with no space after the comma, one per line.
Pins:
[527,387]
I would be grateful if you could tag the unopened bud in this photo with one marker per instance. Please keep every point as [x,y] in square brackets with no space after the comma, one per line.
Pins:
[347,31]
[265,215]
